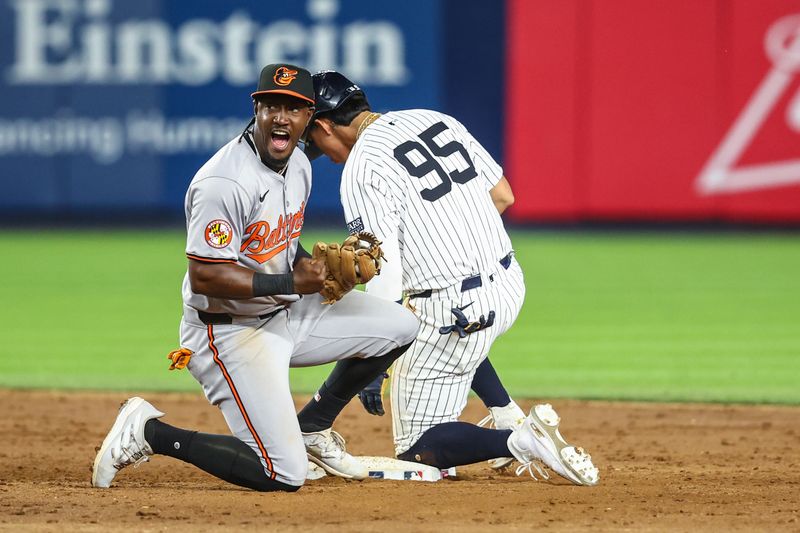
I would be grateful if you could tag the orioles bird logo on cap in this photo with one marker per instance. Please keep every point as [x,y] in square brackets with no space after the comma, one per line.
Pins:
[284,76]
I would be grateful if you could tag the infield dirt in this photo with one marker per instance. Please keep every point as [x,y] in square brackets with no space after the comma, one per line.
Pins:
[664,467]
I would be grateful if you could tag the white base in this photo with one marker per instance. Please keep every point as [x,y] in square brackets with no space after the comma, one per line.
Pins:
[392,469]
[395,469]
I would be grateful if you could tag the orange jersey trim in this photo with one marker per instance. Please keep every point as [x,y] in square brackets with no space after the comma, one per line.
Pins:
[239,401]
[209,260]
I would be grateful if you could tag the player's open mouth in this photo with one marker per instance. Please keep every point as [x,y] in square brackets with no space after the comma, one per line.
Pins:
[280,140]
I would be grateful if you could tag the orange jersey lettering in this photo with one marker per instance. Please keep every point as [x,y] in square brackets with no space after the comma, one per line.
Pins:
[262,242]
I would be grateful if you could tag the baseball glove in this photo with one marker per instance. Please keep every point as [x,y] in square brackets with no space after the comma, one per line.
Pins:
[356,260]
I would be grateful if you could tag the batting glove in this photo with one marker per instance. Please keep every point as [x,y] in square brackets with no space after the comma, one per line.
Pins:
[371,397]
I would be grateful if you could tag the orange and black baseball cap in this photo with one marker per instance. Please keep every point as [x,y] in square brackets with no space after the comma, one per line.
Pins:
[288,79]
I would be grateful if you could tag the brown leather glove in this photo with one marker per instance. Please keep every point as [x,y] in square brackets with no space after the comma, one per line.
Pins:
[356,260]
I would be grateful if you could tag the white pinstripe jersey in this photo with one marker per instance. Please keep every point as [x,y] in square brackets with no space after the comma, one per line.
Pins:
[419,178]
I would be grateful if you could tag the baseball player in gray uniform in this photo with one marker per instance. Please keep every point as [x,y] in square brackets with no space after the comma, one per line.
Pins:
[423,185]
[252,309]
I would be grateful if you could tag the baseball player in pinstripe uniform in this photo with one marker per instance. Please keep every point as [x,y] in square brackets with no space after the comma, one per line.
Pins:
[420,182]
[252,309]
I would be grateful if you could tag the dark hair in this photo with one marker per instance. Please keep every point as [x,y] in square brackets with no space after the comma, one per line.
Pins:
[350,109]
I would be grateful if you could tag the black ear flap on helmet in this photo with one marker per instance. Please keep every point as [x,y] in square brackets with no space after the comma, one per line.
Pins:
[311,150]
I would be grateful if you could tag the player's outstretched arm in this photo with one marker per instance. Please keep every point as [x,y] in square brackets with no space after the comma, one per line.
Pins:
[226,280]
[502,195]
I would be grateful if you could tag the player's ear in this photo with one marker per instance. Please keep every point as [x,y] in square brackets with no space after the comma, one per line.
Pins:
[326,125]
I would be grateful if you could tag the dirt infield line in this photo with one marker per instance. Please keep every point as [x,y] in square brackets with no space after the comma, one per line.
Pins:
[664,467]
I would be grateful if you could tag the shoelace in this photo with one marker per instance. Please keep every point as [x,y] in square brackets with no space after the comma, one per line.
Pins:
[140,460]
[334,445]
[488,419]
[129,451]
[530,466]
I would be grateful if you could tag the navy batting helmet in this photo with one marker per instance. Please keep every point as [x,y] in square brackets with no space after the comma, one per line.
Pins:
[331,90]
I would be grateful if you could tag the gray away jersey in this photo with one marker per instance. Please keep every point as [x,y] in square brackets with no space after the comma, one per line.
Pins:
[240,211]
[420,181]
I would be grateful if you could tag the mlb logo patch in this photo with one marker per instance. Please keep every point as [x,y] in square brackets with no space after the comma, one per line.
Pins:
[354,226]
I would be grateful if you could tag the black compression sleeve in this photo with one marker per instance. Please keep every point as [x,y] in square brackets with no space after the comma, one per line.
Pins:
[272,284]
[301,253]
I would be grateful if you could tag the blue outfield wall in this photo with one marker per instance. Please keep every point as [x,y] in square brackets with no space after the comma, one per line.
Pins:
[107,108]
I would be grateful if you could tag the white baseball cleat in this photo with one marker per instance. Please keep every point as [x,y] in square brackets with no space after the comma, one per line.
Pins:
[125,443]
[539,439]
[508,417]
[315,472]
[326,449]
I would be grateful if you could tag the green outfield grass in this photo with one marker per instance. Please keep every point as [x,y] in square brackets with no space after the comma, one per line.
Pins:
[622,316]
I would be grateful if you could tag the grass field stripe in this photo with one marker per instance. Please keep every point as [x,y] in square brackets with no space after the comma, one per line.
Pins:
[722,304]
[239,401]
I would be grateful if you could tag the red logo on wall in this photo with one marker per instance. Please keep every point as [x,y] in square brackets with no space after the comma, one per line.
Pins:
[720,174]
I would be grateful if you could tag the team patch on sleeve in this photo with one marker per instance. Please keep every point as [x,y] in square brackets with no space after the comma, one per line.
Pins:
[218,233]
[354,226]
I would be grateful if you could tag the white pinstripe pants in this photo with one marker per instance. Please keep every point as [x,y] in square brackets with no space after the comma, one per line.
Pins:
[431,381]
